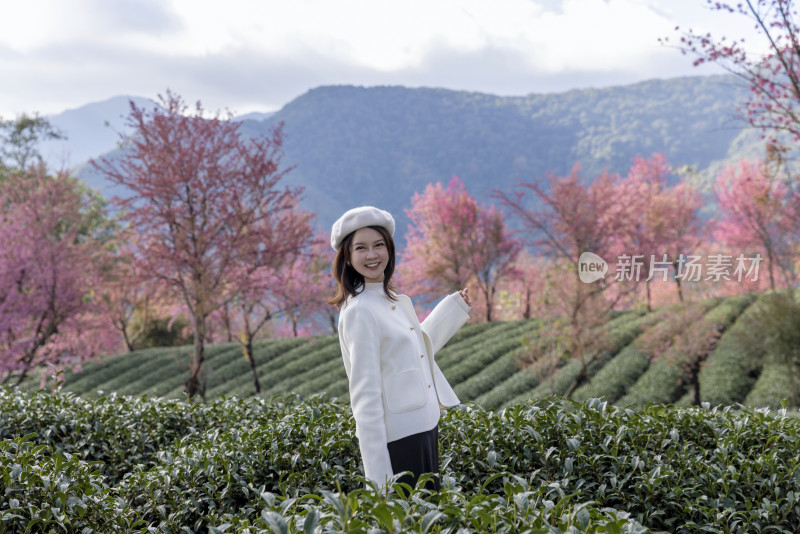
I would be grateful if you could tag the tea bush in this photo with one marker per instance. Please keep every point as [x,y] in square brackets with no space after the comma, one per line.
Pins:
[499,370]
[661,383]
[454,353]
[484,362]
[121,433]
[50,491]
[676,470]
[327,360]
[97,373]
[362,511]
[614,378]
[288,464]
[620,336]
[772,387]
[526,383]
[730,373]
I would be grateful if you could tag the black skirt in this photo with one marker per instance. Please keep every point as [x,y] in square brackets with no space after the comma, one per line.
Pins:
[418,453]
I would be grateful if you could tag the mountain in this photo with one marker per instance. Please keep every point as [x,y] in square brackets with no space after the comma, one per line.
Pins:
[91,130]
[380,145]
[254,116]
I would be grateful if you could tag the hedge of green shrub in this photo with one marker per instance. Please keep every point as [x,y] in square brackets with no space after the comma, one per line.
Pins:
[456,351]
[772,387]
[115,464]
[616,375]
[470,331]
[484,352]
[50,491]
[121,432]
[96,374]
[520,383]
[730,372]
[620,335]
[499,370]
[661,383]
[613,379]
[326,359]
[525,383]
[481,361]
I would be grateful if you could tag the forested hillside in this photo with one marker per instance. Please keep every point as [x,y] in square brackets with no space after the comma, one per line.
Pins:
[380,145]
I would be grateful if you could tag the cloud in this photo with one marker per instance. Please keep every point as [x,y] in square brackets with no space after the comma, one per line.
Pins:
[256,56]
[248,79]
[31,26]
[152,17]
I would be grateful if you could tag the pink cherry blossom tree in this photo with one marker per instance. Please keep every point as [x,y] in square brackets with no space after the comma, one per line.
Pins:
[453,242]
[50,272]
[660,222]
[773,78]
[519,296]
[685,339]
[566,218]
[131,298]
[306,286]
[757,217]
[206,203]
[296,291]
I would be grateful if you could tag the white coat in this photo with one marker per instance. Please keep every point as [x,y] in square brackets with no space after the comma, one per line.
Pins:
[396,388]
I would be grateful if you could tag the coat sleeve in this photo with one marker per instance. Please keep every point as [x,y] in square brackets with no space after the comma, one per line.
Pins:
[362,340]
[445,320]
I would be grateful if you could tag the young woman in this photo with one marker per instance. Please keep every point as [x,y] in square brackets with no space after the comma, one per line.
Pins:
[396,388]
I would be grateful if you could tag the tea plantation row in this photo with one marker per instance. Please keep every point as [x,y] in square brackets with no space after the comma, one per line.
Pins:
[146,464]
[482,362]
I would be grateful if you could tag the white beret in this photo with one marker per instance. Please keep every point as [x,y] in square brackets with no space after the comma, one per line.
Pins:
[357,218]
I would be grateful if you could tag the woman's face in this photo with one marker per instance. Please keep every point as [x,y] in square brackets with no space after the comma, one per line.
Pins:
[369,254]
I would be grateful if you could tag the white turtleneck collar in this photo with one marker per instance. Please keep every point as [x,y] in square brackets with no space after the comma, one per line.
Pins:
[373,287]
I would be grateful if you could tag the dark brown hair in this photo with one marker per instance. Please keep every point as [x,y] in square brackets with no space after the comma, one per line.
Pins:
[348,280]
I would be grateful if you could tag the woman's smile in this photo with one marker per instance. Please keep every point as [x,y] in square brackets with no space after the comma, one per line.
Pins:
[369,254]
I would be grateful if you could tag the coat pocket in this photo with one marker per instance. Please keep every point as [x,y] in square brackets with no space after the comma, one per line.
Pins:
[404,391]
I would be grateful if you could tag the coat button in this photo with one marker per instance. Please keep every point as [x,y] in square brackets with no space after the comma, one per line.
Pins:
[393,306]
[429,385]
[412,328]
[421,355]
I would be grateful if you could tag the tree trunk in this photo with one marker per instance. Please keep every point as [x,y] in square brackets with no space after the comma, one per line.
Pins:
[195,385]
[792,381]
[527,313]
[675,265]
[582,378]
[43,334]
[21,377]
[488,306]
[247,348]
[127,339]
[226,319]
[694,382]
[649,297]
[770,258]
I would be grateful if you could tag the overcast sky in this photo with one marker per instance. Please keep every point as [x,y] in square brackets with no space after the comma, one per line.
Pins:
[257,55]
